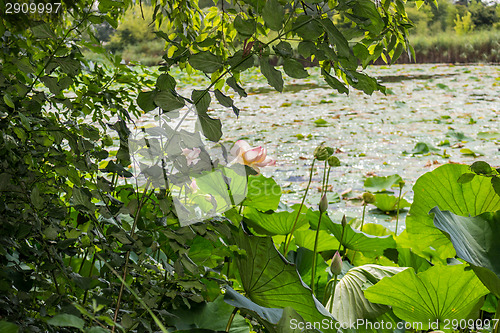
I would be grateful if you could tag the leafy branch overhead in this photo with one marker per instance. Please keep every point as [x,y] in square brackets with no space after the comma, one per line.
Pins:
[226,40]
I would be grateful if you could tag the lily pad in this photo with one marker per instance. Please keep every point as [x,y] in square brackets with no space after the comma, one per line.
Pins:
[378,184]
[440,188]
[280,223]
[389,203]
[440,293]
[421,148]
[263,193]
[321,122]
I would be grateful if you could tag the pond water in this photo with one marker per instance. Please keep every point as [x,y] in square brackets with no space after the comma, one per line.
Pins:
[424,103]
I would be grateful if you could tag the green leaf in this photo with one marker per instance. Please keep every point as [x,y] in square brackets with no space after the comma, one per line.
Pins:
[291,316]
[51,83]
[168,101]
[272,75]
[406,258]
[379,184]
[211,127]
[6,327]
[294,69]
[475,239]
[306,239]
[303,259]
[353,239]
[271,281]
[275,223]
[66,320]
[336,38]
[244,27]
[96,329]
[495,183]
[367,9]
[273,14]
[307,27]
[466,177]
[43,31]
[421,148]
[488,135]
[215,183]
[389,203]
[226,101]
[145,100]
[283,49]
[362,82]
[231,81]
[270,315]
[440,293]
[165,82]
[263,193]
[481,168]
[440,188]
[68,65]
[306,49]
[334,83]
[82,197]
[350,303]
[205,62]
[8,100]
[240,62]
[207,316]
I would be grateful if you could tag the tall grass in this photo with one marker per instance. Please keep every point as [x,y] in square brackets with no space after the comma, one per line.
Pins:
[448,47]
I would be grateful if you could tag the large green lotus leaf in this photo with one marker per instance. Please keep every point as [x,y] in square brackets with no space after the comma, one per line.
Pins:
[377,184]
[292,322]
[280,223]
[303,259]
[305,238]
[406,258]
[350,303]
[353,239]
[440,188]
[271,281]
[263,193]
[476,241]
[389,203]
[210,315]
[439,293]
[267,316]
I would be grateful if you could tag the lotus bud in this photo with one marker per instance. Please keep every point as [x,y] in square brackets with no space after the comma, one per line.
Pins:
[368,198]
[321,152]
[323,204]
[344,221]
[401,183]
[333,161]
[336,266]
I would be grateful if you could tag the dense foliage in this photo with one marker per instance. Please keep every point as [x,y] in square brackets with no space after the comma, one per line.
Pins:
[109,226]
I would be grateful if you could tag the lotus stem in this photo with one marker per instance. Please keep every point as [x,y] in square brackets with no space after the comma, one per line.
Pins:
[333,293]
[313,272]
[362,224]
[230,321]
[397,211]
[300,208]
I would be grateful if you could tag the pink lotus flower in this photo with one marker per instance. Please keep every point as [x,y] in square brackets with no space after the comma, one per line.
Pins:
[193,186]
[191,155]
[253,157]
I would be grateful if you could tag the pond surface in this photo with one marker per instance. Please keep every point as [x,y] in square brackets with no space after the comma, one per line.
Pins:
[424,103]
